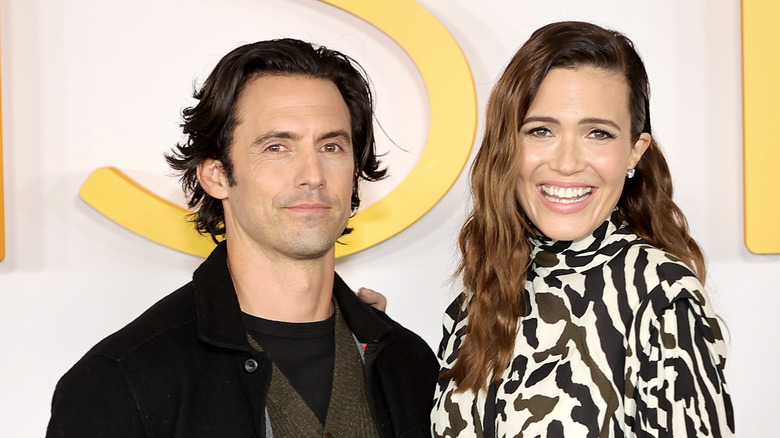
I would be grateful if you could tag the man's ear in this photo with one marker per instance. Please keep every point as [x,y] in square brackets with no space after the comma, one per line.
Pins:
[212,178]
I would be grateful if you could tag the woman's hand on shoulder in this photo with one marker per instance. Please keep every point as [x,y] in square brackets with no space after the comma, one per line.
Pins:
[372,298]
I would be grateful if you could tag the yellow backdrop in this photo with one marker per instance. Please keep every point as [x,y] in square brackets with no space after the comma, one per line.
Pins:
[761,109]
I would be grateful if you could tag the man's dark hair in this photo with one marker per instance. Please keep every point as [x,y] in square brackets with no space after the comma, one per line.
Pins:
[209,125]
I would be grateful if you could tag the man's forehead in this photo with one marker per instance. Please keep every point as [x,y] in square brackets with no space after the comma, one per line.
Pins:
[289,94]
[292,107]
[279,83]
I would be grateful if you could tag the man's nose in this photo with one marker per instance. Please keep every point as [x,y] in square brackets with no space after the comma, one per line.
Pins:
[309,171]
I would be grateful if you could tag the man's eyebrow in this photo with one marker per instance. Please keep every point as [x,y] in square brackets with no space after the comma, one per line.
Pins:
[274,135]
[339,133]
[287,135]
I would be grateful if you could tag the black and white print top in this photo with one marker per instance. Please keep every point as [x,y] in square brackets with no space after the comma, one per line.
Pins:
[619,340]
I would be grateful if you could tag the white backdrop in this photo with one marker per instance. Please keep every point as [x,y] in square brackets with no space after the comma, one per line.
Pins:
[90,83]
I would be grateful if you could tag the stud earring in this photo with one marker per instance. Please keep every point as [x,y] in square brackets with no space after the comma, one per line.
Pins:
[631,173]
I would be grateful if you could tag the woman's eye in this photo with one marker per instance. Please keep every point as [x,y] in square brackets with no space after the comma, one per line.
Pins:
[600,134]
[539,132]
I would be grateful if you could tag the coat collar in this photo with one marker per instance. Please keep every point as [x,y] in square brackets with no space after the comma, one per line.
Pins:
[219,314]
[360,317]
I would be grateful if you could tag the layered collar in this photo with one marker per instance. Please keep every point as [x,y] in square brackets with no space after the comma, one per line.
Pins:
[602,244]
[219,315]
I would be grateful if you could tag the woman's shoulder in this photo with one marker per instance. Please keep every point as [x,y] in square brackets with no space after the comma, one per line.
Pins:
[658,259]
[456,311]
[663,283]
[652,266]
[676,349]
[453,327]
[653,279]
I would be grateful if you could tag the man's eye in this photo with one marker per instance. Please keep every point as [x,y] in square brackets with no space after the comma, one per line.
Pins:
[331,147]
[275,148]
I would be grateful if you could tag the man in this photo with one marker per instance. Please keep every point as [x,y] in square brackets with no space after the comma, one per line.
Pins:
[266,340]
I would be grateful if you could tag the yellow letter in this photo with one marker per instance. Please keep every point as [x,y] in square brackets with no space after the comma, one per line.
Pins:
[761,106]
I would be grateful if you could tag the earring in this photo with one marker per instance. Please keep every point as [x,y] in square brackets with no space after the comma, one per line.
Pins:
[631,173]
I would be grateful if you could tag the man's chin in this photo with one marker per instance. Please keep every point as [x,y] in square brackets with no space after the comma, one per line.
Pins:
[302,248]
[309,253]
[311,242]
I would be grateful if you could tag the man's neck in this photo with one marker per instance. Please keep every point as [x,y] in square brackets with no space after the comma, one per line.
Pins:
[279,288]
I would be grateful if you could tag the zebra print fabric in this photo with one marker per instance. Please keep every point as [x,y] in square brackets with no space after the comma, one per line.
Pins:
[619,340]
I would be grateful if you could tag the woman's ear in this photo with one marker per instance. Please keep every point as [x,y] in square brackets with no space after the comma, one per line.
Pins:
[639,148]
[212,178]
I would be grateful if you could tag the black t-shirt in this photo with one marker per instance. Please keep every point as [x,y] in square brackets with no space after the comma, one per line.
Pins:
[305,352]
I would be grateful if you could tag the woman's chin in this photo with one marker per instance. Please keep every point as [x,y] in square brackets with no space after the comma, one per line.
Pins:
[568,227]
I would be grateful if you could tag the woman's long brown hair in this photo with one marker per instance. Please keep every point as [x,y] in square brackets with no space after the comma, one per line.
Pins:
[494,242]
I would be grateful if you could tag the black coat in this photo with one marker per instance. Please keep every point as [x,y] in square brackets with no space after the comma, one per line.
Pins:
[184,368]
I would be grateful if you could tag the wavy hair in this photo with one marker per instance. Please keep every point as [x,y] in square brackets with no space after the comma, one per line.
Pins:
[208,126]
[494,242]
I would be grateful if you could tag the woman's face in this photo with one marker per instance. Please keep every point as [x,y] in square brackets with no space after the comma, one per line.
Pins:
[576,148]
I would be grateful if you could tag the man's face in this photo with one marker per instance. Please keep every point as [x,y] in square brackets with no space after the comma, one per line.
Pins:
[292,167]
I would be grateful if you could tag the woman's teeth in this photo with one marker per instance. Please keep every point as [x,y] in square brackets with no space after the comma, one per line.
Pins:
[565,195]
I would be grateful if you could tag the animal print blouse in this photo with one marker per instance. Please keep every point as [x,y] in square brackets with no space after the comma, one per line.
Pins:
[619,340]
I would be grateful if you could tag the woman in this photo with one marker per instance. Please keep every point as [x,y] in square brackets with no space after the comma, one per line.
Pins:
[612,333]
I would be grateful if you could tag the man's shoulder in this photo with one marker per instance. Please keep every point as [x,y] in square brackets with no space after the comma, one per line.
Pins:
[370,325]
[172,315]
[401,334]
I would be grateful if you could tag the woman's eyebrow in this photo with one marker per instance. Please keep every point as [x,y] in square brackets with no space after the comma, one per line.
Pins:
[540,119]
[591,120]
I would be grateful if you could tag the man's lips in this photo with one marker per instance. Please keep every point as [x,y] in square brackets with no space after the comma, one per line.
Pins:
[308,207]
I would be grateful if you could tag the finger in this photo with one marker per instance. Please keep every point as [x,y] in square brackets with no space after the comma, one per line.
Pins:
[372,298]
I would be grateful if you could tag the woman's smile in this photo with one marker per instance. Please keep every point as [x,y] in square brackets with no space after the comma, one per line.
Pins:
[566,199]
